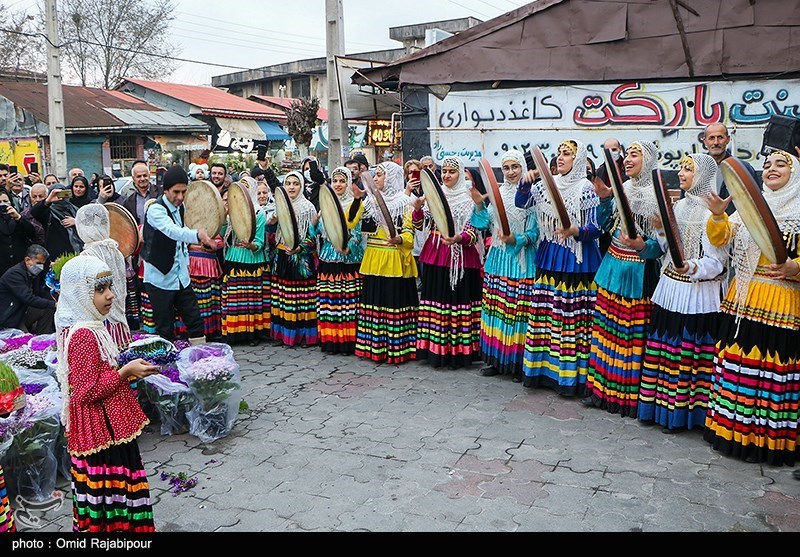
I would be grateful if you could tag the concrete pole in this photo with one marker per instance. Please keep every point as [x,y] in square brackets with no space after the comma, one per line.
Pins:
[55,96]
[338,141]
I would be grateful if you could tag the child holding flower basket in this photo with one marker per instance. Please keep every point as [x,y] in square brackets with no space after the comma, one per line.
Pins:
[101,413]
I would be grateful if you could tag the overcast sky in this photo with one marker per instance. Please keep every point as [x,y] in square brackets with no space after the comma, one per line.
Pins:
[252,34]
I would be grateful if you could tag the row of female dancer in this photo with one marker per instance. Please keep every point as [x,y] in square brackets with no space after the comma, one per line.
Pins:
[627,331]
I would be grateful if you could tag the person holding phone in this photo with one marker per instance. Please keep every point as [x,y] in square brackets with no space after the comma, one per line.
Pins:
[15,187]
[314,176]
[16,234]
[57,215]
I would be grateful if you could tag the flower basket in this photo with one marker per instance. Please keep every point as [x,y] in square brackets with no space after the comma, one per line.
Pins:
[152,348]
[12,395]
[212,374]
[171,399]
[30,461]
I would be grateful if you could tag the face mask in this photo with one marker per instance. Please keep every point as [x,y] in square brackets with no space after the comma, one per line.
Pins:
[615,155]
[307,174]
[36,269]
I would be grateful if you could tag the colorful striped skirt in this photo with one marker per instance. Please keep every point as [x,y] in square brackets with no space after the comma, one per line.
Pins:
[559,333]
[619,335]
[754,406]
[245,302]
[387,319]
[6,515]
[449,321]
[110,492]
[339,286]
[149,324]
[294,301]
[504,319]
[678,367]
[132,302]
[206,282]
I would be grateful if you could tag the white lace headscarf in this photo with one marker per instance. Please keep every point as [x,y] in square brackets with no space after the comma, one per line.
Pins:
[460,202]
[393,193]
[517,217]
[251,185]
[579,198]
[785,206]
[345,198]
[640,191]
[76,310]
[93,226]
[304,210]
[691,212]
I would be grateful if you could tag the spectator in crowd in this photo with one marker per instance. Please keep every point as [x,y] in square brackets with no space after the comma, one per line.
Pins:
[57,215]
[218,174]
[38,192]
[716,140]
[16,234]
[355,170]
[75,172]
[428,162]
[50,180]
[24,300]
[18,196]
[145,191]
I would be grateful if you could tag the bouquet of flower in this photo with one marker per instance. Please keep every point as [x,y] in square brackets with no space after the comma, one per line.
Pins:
[53,276]
[12,395]
[28,351]
[15,342]
[212,374]
[31,436]
[152,348]
[171,399]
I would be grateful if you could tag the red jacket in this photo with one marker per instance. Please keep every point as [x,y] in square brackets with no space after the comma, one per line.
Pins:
[103,408]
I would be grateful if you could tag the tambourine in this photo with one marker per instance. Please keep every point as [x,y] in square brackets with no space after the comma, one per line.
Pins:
[369,184]
[550,187]
[123,229]
[620,199]
[332,214]
[674,241]
[437,203]
[493,191]
[287,220]
[204,207]
[241,212]
[754,211]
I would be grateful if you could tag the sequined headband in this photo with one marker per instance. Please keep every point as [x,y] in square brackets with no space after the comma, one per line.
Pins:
[571,146]
[450,163]
[786,156]
[688,162]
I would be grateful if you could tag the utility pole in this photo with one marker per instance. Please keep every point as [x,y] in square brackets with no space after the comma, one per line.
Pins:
[338,134]
[55,95]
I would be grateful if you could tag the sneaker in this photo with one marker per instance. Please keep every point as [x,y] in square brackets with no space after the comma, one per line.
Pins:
[489,371]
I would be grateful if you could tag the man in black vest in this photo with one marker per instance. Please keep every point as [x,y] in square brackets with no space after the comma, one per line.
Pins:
[166,259]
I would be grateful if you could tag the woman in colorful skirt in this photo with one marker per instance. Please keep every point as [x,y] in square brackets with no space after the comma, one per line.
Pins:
[101,414]
[93,225]
[449,318]
[754,406]
[679,354]
[508,273]
[245,316]
[266,201]
[559,334]
[338,278]
[387,317]
[205,274]
[625,281]
[6,514]
[294,286]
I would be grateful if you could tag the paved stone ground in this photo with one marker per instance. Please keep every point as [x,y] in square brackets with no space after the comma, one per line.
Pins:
[333,443]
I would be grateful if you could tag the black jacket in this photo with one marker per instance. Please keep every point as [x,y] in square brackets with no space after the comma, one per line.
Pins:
[15,237]
[58,239]
[19,290]
[130,201]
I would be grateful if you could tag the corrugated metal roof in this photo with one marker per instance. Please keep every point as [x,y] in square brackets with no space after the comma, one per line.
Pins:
[286,103]
[91,108]
[212,101]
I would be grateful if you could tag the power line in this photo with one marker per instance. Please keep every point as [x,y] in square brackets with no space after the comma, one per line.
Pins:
[240,42]
[470,9]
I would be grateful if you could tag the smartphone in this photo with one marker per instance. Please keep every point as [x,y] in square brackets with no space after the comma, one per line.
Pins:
[34,167]
[414,175]
[12,169]
[64,194]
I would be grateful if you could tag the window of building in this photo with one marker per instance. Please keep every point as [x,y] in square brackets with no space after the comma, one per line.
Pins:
[301,88]
[122,147]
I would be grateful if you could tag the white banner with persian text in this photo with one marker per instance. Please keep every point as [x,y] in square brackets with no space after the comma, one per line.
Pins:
[476,124]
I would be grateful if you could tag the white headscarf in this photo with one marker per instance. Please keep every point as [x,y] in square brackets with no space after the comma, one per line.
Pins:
[691,212]
[785,206]
[345,198]
[93,226]
[460,202]
[304,210]
[251,185]
[640,191]
[76,310]
[579,198]
[393,193]
[517,216]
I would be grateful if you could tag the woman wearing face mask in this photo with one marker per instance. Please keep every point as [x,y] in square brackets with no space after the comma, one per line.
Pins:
[679,355]
[313,177]
[449,322]
[625,280]
[387,317]
[245,293]
[559,333]
[338,280]
[754,406]
[508,275]
[294,287]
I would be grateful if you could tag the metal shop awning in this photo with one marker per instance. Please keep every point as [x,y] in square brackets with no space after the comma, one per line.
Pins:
[241,128]
[273,131]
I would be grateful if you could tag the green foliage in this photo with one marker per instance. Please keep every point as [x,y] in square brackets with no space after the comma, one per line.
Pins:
[58,264]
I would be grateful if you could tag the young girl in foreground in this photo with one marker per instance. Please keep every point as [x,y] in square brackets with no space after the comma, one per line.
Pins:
[101,413]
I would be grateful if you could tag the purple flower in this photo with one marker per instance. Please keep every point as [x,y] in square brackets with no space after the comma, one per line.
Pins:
[33,388]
